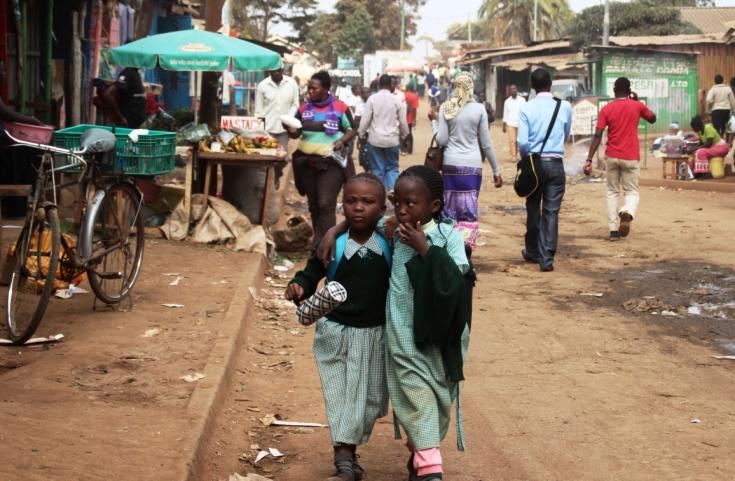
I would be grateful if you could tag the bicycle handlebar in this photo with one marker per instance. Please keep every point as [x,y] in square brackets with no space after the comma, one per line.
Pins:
[77,154]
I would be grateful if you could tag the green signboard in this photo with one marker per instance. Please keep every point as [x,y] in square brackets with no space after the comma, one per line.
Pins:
[667,81]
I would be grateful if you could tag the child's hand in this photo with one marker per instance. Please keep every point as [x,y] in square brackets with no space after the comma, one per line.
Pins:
[326,250]
[295,293]
[414,237]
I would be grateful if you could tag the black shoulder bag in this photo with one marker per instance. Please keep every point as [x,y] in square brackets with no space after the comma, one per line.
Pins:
[527,176]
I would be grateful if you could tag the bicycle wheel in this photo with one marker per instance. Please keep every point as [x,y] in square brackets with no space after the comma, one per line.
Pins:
[34,270]
[117,244]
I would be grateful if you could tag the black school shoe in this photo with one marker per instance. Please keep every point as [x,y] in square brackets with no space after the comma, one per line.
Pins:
[345,469]
[357,469]
[614,235]
[430,477]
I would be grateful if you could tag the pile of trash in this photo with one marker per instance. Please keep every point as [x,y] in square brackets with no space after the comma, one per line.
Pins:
[216,221]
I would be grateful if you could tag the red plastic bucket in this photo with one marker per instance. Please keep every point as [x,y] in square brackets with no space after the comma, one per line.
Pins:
[40,134]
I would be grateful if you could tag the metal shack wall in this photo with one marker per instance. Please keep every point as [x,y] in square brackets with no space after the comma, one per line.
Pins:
[668,81]
[712,59]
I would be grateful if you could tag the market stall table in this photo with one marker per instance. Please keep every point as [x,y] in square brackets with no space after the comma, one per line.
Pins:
[230,158]
[674,161]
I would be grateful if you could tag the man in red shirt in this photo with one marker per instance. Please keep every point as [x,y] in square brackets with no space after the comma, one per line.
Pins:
[622,155]
[412,106]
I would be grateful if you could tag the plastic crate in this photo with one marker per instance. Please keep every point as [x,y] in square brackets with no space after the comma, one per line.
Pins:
[154,153]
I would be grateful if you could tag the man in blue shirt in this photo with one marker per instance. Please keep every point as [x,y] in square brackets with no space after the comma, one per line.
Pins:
[542,207]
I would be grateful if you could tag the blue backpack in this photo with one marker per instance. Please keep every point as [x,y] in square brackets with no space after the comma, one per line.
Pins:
[340,252]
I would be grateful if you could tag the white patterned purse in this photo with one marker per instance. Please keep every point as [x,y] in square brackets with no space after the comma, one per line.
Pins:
[321,303]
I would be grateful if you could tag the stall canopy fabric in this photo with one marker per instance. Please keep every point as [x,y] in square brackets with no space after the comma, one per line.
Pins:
[187,50]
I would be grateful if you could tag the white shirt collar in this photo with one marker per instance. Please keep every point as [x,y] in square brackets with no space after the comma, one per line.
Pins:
[353,247]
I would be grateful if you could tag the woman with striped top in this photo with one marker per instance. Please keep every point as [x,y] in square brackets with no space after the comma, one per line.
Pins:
[326,129]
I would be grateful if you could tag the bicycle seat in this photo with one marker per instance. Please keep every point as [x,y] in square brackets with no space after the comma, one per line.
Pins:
[96,141]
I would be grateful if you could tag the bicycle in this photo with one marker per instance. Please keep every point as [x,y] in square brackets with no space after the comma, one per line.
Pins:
[110,237]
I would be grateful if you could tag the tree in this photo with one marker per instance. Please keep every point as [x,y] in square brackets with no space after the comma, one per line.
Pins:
[254,18]
[322,35]
[356,36]
[677,3]
[627,19]
[384,19]
[460,31]
[511,21]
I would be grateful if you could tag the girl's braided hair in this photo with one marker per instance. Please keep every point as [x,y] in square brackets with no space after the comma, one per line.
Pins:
[433,181]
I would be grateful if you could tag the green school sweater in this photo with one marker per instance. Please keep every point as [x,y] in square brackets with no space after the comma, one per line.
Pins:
[364,278]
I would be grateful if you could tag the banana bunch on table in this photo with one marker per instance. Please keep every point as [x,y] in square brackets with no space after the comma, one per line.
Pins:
[226,141]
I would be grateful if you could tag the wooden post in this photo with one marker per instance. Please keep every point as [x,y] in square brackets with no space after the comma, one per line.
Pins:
[76,69]
[187,184]
[208,177]
[264,217]
[48,57]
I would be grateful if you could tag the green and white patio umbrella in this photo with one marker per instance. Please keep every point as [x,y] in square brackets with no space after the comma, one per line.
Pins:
[188,50]
[195,50]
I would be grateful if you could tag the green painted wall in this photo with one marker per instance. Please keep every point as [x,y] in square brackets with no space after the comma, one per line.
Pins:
[668,81]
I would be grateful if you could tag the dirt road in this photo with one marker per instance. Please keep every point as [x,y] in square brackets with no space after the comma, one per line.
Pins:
[109,401]
[601,370]
[593,372]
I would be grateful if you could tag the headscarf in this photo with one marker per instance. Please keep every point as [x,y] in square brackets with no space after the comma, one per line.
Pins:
[464,88]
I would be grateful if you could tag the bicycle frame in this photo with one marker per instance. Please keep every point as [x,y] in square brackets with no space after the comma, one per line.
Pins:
[89,179]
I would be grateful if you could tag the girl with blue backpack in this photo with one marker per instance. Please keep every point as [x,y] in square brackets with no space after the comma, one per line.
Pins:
[349,344]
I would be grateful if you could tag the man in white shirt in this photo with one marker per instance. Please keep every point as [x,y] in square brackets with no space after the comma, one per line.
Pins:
[511,108]
[276,95]
[720,104]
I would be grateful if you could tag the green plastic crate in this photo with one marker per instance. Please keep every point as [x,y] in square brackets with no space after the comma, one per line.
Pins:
[154,153]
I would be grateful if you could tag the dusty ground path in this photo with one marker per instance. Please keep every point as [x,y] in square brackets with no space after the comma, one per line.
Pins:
[108,402]
[563,381]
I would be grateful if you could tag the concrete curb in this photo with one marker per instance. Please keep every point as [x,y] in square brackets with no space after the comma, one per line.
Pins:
[705,186]
[211,392]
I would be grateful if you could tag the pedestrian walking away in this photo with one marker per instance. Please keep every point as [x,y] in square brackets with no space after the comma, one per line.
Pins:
[421,81]
[461,126]
[720,103]
[349,344]
[412,107]
[511,108]
[326,129]
[384,123]
[622,155]
[542,207]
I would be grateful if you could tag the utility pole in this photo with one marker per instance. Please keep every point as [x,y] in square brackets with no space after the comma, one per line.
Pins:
[535,21]
[606,25]
[403,23]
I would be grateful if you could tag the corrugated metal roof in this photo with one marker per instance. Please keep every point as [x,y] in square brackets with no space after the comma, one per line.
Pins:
[540,47]
[625,41]
[557,62]
[709,19]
